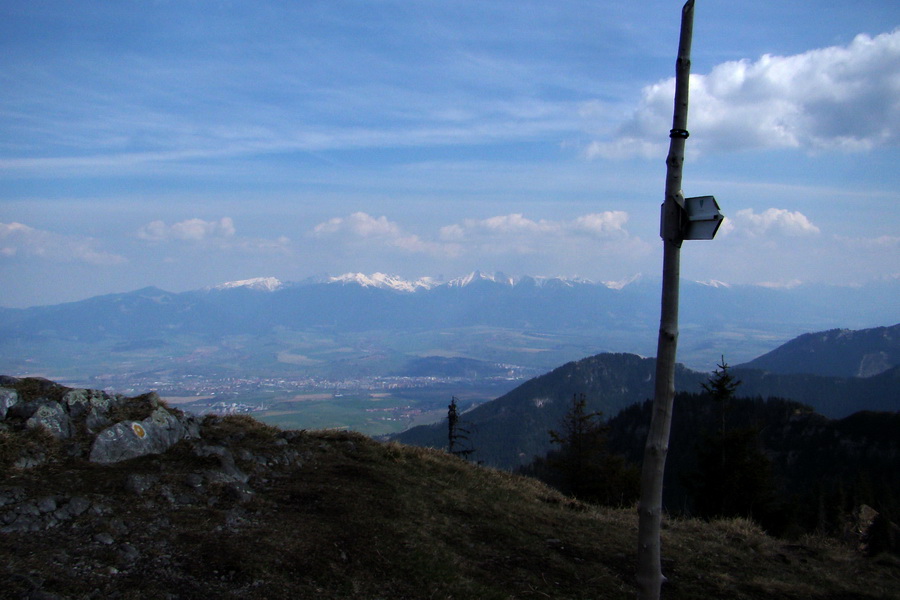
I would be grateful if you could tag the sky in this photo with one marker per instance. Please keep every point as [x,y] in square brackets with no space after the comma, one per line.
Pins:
[183,144]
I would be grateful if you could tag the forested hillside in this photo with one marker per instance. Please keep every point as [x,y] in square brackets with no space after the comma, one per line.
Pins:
[836,352]
[510,431]
[817,470]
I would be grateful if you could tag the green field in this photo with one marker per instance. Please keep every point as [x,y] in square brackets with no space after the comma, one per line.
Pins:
[371,412]
[374,413]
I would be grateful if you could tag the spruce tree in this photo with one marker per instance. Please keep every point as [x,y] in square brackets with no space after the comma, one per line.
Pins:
[734,477]
[455,433]
[721,387]
[582,466]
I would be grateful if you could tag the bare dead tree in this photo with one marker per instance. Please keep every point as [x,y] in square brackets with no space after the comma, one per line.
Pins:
[649,564]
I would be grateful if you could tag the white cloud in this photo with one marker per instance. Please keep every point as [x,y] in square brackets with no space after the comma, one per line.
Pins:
[217,234]
[770,221]
[878,244]
[193,230]
[18,240]
[595,244]
[841,97]
[510,242]
[361,226]
[605,225]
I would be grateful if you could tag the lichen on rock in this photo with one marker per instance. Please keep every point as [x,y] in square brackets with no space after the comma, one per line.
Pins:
[130,439]
[53,417]
[8,398]
[101,427]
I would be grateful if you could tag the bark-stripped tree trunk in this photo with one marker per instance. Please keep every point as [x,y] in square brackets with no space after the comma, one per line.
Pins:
[649,566]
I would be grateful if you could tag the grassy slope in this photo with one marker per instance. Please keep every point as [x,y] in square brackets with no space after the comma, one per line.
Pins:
[337,515]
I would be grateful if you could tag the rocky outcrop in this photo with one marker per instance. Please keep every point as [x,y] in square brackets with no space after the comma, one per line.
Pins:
[8,397]
[129,439]
[92,424]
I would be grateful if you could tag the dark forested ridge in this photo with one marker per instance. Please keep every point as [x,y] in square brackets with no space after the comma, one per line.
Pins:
[836,352]
[797,452]
[821,468]
[510,431]
[831,396]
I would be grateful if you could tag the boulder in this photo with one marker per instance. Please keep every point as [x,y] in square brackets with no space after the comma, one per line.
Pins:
[130,439]
[104,427]
[93,405]
[23,409]
[80,401]
[53,417]
[857,525]
[8,398]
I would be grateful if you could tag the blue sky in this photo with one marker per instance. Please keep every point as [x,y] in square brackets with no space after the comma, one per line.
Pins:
[184,144]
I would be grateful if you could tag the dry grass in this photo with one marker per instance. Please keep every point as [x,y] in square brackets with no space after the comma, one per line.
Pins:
[36,444]
[353,518]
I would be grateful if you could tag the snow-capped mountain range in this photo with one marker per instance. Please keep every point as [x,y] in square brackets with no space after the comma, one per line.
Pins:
[383,281]
[399,284]
[266,284]
[481,316]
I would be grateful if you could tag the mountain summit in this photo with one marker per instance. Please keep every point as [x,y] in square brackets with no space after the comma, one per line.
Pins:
[383,281]
[266,284]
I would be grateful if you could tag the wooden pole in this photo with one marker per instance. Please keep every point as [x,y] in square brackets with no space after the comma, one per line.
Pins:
[649,565]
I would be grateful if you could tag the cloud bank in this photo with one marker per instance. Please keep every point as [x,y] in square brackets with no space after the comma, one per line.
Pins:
[840,97]
[376,231]
[18,240]
[218,234]
[606,225]
[191,230]
[507,242]
[772,221]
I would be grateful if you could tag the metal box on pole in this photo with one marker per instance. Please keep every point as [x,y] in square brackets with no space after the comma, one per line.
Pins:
[703,218]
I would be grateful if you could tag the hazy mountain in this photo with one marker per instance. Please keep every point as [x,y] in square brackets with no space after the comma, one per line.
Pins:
[512,429]
[839,352]
[268,284]
[381,280]
[530,321]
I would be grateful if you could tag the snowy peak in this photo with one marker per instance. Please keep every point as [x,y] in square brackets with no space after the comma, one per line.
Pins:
[714,283]
[393,282]
[618,285]
[478,276]
[263,284]
[383,281]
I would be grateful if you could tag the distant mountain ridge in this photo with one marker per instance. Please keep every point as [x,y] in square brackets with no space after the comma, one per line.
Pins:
[840,352]
[381,280]
[535,322]
[400,284]
[268,284]
[511,430]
